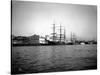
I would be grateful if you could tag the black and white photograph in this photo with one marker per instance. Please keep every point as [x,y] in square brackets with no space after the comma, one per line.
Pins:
[52,37]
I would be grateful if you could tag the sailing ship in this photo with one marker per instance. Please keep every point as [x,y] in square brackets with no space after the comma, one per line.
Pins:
[57,38]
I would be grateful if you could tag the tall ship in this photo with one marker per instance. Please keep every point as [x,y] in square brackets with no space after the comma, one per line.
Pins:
[57,38]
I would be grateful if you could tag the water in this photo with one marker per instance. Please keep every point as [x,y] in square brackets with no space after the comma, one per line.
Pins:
[35,59]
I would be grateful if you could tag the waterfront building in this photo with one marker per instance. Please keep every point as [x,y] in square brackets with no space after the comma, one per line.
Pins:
[34,39]
[41,40]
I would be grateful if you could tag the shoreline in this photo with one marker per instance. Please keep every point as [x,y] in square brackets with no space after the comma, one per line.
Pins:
[45,44]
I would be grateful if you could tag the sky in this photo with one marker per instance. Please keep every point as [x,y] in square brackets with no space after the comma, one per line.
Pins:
[29,18]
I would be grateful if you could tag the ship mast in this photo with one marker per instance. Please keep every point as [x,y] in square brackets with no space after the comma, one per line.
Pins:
[71,39]
[64,35]
[54,32]
[60,32]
